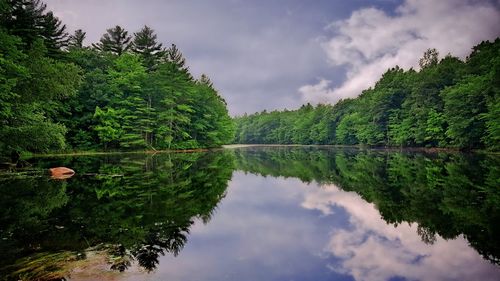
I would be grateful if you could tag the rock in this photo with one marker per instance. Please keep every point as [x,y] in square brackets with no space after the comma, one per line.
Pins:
[61,173]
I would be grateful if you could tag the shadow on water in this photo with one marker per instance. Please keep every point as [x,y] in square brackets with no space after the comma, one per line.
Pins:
[128,210]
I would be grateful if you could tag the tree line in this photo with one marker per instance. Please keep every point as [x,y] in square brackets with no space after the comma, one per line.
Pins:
[447,103]
[126,91]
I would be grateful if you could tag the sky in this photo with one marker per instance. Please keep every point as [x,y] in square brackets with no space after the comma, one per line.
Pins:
[277,54]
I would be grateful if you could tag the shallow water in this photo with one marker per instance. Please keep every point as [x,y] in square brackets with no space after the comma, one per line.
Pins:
[255,213]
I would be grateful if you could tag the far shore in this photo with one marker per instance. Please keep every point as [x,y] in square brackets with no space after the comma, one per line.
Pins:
[90,153]
[382,148]
[236,146]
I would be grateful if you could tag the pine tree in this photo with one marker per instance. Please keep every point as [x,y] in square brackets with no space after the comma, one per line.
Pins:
[116,40]
[206,81]
[54,34]
[127,77]
[22,18]
[171,92]
[176,59]
[211,124]
[28,20]
[147,47]
[76,40]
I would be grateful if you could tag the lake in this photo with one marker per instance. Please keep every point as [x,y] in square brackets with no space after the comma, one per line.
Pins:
[255,213]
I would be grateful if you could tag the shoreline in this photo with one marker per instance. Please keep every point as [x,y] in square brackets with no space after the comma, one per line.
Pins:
[91,153]
[237,146]
[365,147]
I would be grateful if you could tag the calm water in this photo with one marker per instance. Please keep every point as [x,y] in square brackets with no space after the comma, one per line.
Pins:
[276,213]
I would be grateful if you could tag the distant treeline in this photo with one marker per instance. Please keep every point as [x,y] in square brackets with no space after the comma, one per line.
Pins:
[448,103]
[124,92]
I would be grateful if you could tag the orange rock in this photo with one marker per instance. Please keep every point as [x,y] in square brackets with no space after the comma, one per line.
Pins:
[61,172]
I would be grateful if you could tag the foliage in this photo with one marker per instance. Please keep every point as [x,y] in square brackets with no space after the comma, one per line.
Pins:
[28,20]
[127,92]
[33,95]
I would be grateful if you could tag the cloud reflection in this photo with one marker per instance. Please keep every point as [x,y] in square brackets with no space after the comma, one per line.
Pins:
[271,228]
[259,232]
[371,249]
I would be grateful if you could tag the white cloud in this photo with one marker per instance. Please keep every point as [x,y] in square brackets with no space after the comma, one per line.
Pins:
[317,92]
[371,40]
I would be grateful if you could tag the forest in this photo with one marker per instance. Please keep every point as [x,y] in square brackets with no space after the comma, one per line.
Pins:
[125,92]
[447,103]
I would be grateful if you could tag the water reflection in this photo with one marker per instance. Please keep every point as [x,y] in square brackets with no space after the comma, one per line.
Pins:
[284,229]
[371,249]
[260,232]
[287,214]
[445,194]
[128,208]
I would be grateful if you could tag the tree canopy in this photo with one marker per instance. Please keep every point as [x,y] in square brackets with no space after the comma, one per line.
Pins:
[124,92]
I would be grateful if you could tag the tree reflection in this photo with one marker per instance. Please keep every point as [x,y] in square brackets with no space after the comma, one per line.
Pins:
[133,207]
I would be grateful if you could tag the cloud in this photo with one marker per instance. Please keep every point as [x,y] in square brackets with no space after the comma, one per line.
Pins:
[371,40]
[373,250]
[317,92]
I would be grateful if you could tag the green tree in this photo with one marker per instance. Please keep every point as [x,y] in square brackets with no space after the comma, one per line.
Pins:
[32,98]
[116,41]
[212,125]
[108,126]
[464,104]
[95,91]
[174,55]
[171,91]
[54,34]
[492,123]
[430,58]
[76,40]
[145,44]
[347,129]
[103,97]
[127,77]
[435,131]
[29,20]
